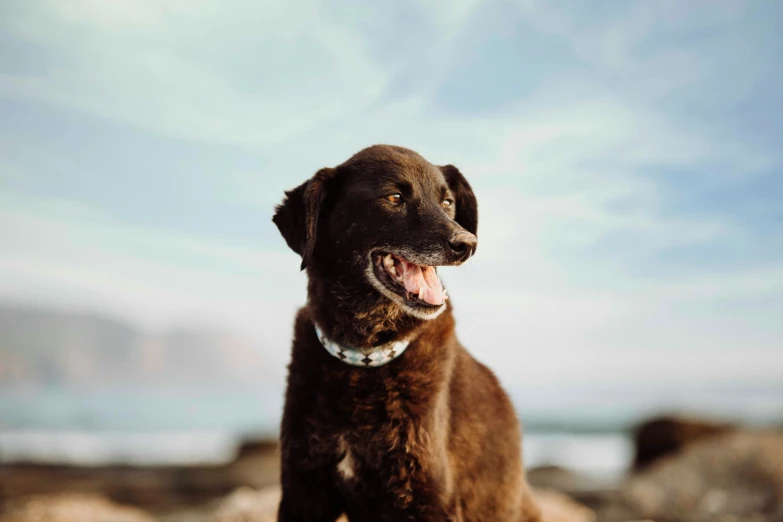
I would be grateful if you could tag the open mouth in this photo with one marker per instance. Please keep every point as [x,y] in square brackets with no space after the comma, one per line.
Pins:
[418,285]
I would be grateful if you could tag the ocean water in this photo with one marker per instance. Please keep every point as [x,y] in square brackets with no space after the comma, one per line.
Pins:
[582,431]
[601,455]
[253,411]
[177,427]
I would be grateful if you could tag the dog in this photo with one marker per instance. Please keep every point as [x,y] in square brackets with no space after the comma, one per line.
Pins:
[387,417]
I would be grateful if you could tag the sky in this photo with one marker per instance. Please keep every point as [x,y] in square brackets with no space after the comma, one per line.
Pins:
[626,157]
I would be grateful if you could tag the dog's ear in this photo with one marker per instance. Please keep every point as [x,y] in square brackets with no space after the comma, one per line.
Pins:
[465,200]
[297,216]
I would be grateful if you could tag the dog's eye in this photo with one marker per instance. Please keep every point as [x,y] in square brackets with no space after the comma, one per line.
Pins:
[448,203]
[395,198]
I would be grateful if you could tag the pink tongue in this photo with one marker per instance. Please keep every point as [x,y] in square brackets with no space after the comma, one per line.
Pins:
[425,280]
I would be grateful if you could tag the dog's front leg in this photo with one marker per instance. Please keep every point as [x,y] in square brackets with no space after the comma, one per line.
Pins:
[423,512]
[422,496]
[308,496]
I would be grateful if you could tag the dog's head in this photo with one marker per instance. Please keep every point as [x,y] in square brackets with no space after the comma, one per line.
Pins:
[385,218]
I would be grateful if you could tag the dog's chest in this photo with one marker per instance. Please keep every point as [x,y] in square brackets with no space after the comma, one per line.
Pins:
[346,466]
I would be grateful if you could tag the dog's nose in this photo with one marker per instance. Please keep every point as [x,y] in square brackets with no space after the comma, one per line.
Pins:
[463,244]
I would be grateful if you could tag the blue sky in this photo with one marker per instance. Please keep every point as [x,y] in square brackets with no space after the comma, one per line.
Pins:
[626,156]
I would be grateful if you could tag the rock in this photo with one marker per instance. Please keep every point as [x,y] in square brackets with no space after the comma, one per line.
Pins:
[559,507]
[582,487]
[157,489]
[735,477]
[70,508]
[662,436]
[254,448]
[560,478]
[249,505]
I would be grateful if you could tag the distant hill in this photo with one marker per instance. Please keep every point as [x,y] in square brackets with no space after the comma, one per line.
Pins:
[48,347]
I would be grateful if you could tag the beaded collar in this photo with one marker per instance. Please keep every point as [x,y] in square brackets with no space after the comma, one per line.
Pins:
[371,358]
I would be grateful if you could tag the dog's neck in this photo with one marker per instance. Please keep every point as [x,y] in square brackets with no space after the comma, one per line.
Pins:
[357,315]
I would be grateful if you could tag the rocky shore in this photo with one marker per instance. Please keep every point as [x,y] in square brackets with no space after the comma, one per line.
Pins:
[685,470]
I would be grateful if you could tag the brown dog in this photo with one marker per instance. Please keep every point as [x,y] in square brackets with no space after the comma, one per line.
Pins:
[387,417]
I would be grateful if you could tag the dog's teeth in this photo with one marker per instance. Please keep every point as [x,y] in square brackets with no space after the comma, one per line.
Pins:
[388,263]
[421,291]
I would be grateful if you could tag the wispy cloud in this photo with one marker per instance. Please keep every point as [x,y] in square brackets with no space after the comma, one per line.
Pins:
[253,76]
[625,174]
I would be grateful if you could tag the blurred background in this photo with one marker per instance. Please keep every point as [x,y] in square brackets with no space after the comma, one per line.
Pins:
[626,157]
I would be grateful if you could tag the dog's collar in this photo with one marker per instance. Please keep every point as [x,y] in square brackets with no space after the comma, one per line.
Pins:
[372,358]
